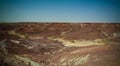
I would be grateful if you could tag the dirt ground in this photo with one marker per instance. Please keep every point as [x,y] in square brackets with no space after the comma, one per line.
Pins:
[60,44]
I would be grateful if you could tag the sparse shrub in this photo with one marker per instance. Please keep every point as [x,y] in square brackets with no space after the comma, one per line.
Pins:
[73,41]
[26,36]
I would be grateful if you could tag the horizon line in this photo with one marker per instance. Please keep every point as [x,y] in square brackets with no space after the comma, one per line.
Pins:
[51,22]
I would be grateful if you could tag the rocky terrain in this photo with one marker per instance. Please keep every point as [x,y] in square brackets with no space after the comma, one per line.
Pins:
[59,44]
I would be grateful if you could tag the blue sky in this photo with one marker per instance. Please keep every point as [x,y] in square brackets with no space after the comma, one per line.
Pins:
[60,10]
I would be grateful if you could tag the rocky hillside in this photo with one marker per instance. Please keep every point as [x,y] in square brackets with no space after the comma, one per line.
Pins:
[59,44]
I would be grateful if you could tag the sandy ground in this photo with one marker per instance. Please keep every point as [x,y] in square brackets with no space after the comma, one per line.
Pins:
[59,44]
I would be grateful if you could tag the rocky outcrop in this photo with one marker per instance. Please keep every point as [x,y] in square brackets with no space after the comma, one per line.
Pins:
[59,44]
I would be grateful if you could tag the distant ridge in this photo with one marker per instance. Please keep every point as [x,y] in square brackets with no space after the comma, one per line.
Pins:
[56,22]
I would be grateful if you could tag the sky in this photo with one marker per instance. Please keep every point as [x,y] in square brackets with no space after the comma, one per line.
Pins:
[60,11]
